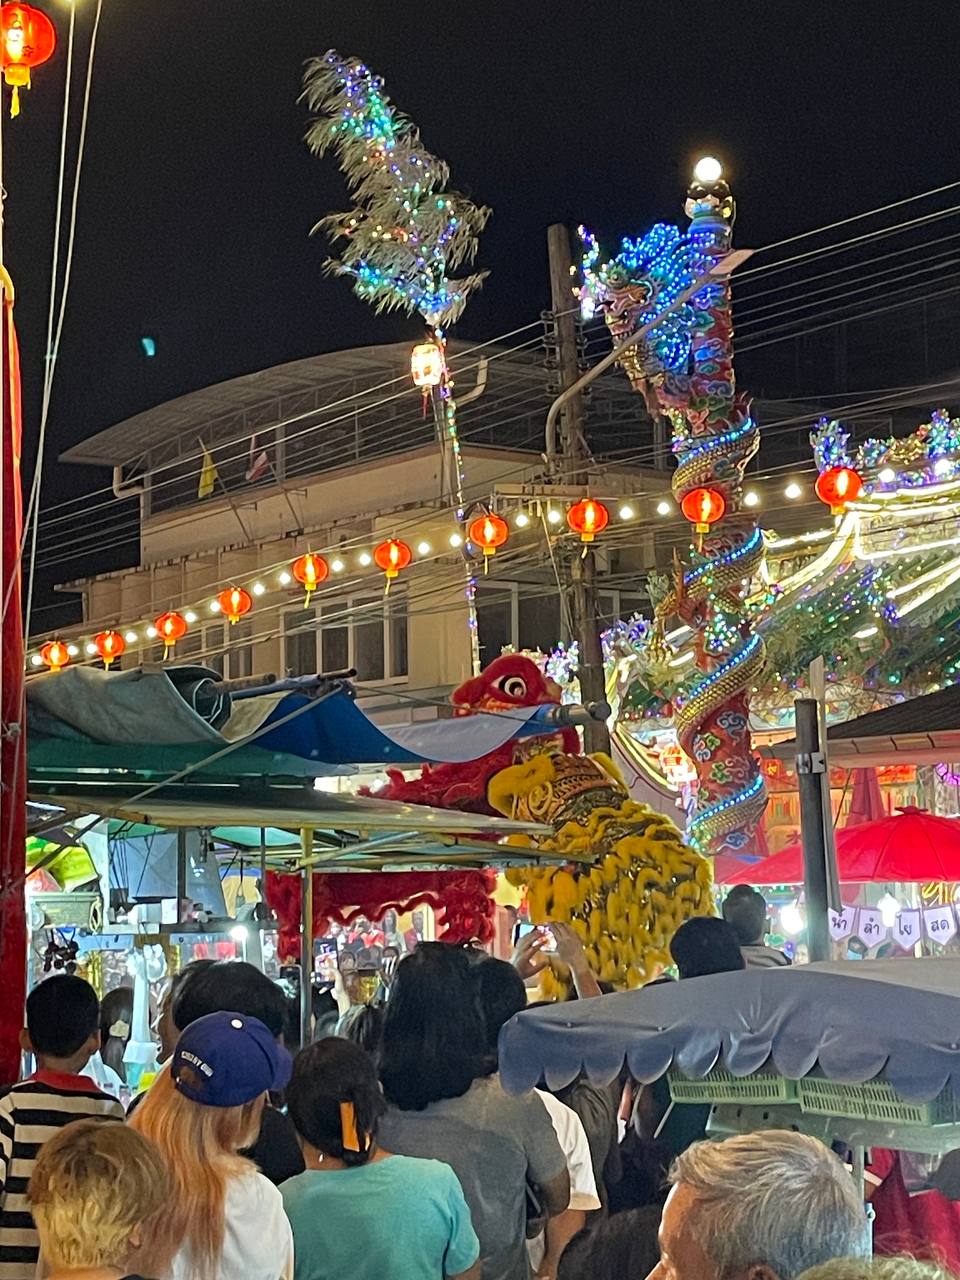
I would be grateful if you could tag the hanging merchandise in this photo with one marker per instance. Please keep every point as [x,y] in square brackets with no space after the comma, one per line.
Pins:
[426,366]
[110,645]
[27,39]
[703,507]
[588,518]
[234,603]
[55,655]
[488,532]
[392,556]
[170,627]
[310,570]
[837,486]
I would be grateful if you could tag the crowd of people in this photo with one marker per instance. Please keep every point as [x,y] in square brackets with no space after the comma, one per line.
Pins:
[391,1149]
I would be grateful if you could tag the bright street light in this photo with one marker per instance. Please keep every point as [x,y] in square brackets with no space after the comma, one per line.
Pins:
[708,170]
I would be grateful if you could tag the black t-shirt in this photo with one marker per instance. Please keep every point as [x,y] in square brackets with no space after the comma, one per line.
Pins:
[276,1152]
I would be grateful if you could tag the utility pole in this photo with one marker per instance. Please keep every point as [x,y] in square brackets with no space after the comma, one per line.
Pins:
[574,459]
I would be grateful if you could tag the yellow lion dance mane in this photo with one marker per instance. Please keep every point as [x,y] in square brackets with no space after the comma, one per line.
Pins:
[645,881]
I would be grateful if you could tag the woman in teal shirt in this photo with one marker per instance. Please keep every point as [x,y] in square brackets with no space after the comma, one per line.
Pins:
[359,1211]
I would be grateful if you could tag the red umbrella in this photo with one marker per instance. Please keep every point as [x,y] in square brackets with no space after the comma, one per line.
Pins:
[912,847]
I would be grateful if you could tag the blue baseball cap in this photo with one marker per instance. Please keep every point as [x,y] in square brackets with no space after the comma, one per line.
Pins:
[228,1059]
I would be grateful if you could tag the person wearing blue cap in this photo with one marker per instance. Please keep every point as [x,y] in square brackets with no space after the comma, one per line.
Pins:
[358,1211]
[202,1111]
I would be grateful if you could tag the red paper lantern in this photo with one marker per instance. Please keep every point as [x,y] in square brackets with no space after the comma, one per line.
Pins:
[27,39]
[837,486]
[310,571]
[234,603]
[488,532]
[392,556]
[110,645]
[588,518]
[703,507]
[170,627]
[55,655]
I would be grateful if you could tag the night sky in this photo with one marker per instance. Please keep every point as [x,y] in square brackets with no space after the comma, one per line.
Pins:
[198,193]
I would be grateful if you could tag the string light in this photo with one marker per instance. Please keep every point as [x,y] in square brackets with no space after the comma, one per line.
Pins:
[626,512]
[455,540]
[337,566]
[751,498]
[664,508]
[190,616]
[365,559]
[258,589]
[793,491]
[521,520]
[424,548]
[283,577]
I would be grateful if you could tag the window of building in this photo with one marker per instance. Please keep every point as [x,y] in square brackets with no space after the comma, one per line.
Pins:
[530,615]
[365,632]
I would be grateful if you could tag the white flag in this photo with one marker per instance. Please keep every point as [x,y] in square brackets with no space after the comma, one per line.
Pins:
[841,922]
[940,924]
[870,927]
[906,929]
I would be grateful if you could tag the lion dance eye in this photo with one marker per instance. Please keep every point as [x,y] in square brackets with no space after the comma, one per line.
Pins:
[514,687]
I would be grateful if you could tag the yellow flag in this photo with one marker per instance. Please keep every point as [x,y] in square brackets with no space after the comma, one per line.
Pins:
[209,475]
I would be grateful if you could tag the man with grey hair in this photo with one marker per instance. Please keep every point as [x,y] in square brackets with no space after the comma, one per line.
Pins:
[760,1206]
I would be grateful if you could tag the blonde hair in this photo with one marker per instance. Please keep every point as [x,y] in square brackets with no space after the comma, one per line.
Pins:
[877,1269]
[200,1144]
[95,1182]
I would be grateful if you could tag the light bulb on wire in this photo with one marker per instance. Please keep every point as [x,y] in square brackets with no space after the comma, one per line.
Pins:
[708,169]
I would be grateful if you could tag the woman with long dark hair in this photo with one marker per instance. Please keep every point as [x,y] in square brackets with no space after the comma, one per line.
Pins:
[358,1210]
[445,1105]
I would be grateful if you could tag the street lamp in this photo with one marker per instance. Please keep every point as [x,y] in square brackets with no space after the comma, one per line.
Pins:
[720,269]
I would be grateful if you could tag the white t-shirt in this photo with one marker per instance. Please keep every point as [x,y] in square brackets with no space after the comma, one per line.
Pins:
[583,1185]
[258,1242]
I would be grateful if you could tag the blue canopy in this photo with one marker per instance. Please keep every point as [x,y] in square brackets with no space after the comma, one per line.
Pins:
[336,731]
[855,1020]
[182,706]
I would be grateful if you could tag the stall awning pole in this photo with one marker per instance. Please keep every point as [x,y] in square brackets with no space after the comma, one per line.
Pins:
[306,936]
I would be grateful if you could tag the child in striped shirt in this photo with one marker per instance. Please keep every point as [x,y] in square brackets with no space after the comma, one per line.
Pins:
[62,1032]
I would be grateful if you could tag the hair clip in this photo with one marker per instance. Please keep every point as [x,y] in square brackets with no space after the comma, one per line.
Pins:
[348,1127]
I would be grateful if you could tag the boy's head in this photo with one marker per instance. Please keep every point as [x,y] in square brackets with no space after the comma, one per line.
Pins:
[231,986]
[96,1192]
[745,910]
[63,1023]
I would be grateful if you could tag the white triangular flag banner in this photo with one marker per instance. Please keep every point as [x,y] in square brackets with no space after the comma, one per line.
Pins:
[940,924]
[906,929]
[870,927]
[841,922]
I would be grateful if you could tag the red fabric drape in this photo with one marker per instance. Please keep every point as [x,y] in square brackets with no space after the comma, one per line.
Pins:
[866,803]
[13,746]
[461,897]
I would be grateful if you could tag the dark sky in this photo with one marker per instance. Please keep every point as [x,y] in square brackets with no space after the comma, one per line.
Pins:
[198,194]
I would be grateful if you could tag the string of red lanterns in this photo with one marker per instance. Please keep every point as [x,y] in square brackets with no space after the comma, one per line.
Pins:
[489,531]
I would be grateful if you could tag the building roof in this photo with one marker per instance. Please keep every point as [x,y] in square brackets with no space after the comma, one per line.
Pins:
[924,730]
[262,399]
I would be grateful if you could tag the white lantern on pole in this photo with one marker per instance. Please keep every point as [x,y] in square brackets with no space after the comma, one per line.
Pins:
[426,365]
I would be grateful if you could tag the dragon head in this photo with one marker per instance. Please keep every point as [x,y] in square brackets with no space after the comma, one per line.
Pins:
[634,288]
[508,682]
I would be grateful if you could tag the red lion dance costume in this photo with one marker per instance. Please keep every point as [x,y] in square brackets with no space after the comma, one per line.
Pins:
[462,898]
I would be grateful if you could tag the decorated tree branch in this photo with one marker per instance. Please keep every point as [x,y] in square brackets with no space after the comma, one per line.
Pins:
[404,236]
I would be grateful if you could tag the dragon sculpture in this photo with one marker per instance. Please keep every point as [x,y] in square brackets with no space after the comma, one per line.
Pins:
[684,369]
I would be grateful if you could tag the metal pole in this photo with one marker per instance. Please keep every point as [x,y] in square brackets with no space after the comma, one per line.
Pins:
[810,770]
[181,871]
[306,937]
